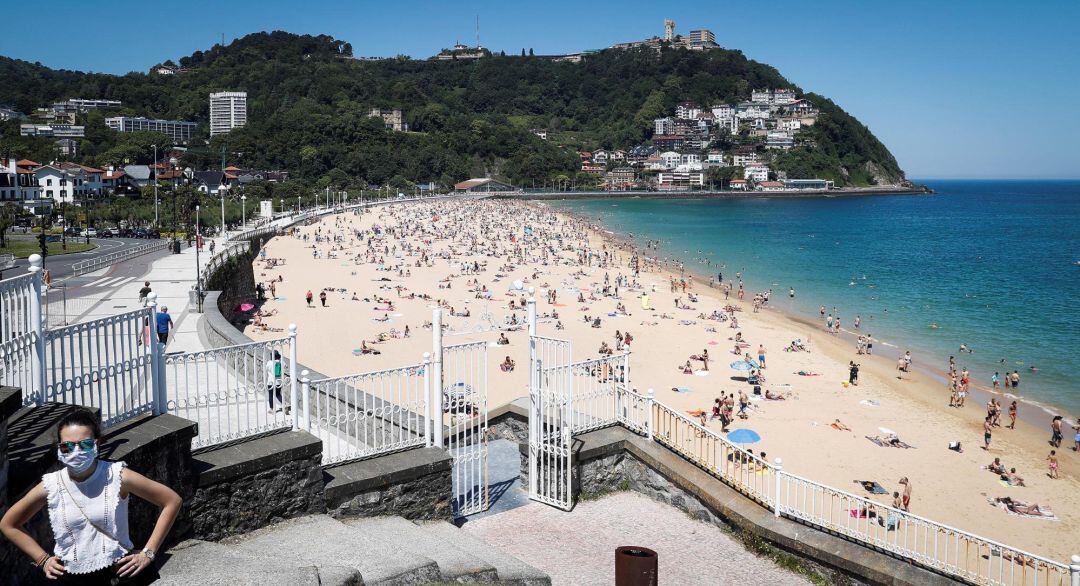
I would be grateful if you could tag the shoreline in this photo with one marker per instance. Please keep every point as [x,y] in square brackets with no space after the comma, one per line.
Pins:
[978,391]
[710,194]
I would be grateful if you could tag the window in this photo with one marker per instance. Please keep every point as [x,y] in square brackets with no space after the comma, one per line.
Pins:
[48,182]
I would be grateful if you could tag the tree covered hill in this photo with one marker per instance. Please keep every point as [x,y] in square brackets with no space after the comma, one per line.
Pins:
[308,102]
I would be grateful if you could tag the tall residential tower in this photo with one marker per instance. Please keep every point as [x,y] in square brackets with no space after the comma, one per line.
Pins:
[228,110]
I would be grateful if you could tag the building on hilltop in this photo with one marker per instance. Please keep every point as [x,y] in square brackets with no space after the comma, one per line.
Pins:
[462,51]
[779,139]
[53,130]
[81,105]
[177,130]
[701,40]
[485,185]
[687,110]
[228,110]
[392,118]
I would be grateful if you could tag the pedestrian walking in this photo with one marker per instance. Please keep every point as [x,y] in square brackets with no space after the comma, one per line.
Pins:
[164,325]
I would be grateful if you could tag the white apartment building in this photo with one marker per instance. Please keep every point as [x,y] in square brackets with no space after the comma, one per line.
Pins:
[690,159]
[761,96]
[790,124]
[670,159]
[177,130]
[53,130]
[228,110]
[679,180]
[758,172]
[723,112]
[663,126]
[744,159]
[779,139]
[687,110]
[783,97]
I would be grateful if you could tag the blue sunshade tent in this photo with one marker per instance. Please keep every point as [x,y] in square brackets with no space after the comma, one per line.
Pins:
[744,436]
[743,365]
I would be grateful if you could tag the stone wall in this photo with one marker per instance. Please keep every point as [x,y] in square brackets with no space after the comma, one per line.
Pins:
[253,484]
[415,484]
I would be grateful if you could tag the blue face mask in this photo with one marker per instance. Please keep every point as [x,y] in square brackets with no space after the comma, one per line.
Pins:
[78,460]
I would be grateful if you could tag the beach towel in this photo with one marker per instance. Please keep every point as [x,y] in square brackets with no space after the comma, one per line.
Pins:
[1047,514]
[877,441]
[681,389]
[870,403]
[871,486]
[696,412]
[701,373]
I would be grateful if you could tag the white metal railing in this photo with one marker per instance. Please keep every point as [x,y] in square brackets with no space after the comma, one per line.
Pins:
[633,410]
[229,391]
[948,550]
[743,471]
[92,264]
[942,548]
[362,415]
[103,363]
[21,335]
[595,387]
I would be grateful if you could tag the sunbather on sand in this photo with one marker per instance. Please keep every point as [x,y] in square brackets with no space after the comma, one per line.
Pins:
[1023,508]
[839,426]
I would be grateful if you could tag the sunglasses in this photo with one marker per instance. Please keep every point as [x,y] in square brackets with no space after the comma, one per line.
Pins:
[85,445]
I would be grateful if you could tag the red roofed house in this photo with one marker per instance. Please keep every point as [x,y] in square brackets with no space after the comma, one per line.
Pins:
[771,186]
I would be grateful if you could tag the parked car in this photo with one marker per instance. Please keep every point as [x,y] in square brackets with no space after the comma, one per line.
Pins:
[140,233]
[91,233]
[126,233]
[106,233]
[72,231]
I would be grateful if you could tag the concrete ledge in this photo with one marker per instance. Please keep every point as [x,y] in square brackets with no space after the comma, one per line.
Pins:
[415,484]
[510,421]
[224,464]
[732,508]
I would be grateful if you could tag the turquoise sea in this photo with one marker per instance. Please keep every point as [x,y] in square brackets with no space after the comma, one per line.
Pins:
[993,264]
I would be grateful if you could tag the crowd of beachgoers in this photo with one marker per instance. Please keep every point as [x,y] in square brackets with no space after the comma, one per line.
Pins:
[362,285]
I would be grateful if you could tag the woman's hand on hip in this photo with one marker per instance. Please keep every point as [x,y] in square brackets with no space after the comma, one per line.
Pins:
[53,568]
[132,564]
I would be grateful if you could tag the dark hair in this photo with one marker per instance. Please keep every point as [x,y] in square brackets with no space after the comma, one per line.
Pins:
[80,417]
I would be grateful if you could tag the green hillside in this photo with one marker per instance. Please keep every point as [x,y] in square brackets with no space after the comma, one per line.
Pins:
[308,104]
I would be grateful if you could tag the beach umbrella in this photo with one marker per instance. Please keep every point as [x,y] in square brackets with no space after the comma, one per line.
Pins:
[886,431]
[741,365]
[246,307]
[744,436]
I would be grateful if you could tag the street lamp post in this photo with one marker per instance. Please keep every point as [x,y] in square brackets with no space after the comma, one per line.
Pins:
[198,268]
[243,210]
[156,225]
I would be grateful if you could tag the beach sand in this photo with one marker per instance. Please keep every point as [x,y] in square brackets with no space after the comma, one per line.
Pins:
[947,486]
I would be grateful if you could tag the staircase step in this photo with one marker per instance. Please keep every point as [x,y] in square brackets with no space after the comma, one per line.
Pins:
[510,569]
[455,565]
[323,541]
[204,563]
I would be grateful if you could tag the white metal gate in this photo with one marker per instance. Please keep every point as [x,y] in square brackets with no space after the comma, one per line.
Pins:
[550,417]
[464,399]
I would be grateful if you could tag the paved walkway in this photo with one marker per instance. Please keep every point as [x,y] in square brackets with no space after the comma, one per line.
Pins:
[579,547]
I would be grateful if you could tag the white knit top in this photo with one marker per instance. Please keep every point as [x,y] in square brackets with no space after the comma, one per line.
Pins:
[81,547]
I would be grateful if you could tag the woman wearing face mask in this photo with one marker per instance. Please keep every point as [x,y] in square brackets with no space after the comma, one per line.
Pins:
[87,502]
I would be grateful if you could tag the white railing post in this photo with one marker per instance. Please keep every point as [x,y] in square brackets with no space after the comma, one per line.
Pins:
[38,359]
[157,364]
[305,386]
[429,411]
[650,417]
[294,385]
[436,396]
[778,468]
[1074,570]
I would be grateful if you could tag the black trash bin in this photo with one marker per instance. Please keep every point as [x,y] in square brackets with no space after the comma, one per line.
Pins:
[635,566]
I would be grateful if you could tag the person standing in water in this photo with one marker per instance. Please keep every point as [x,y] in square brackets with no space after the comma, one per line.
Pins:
[87,503]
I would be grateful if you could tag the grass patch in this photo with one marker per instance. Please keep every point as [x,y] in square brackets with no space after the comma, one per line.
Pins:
[788,561]
[23,248]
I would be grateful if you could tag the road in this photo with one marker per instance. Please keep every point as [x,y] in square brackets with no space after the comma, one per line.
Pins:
[60,265]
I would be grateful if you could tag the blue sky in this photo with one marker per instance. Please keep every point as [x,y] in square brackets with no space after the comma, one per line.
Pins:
[955,88]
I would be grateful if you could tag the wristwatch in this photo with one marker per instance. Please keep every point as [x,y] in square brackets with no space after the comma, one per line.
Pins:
[149,553]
